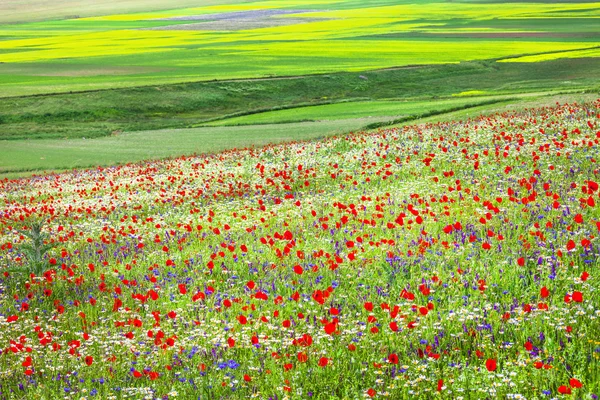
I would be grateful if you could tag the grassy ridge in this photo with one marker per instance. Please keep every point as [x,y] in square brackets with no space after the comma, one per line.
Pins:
[367,109]
[24,157]
[99,113]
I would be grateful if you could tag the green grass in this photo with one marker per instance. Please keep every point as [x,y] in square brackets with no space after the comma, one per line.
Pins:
[26,157]
[365,109]
[58,154]
[99,113]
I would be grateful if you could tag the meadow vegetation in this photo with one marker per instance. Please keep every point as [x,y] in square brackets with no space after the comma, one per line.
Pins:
[449,259]
[299,199]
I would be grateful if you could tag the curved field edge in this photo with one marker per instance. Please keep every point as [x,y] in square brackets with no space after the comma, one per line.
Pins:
[29,157]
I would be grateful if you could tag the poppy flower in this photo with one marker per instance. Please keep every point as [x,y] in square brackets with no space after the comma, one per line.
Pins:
[575,383]
[440,385]
[302,357]
[330,328]
[564,389]
[544,292]
[584,276]
[182,288]
[490,364]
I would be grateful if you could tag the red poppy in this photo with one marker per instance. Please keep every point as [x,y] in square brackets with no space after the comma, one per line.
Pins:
[302,357]
[490,364]
[393,358]
[89,360]
[584,276]
[575,383]
[544,292]
[330,328]
[182,288]
[564,389]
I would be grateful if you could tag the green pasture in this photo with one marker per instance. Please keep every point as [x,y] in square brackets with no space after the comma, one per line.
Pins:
[366,109]
[26,157]
[58,154]
[100,113]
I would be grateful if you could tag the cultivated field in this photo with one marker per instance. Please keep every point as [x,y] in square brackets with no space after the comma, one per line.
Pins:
[443,260]
[267,38]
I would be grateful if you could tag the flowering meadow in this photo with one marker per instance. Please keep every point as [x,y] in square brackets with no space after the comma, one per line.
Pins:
[444,260]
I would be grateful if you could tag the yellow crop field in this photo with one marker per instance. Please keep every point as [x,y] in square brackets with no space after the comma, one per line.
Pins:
[265,38]
[595,52]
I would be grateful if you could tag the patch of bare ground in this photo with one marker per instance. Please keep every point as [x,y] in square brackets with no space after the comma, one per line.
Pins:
[238,24]
[239,20]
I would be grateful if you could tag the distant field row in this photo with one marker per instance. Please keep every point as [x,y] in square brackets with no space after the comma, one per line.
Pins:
[25,157]
[268,38]
[100,113]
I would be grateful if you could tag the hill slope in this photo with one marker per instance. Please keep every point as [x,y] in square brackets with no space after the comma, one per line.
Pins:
[453,257]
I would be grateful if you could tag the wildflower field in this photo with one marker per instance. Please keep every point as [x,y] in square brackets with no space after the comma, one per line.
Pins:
[442,260]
